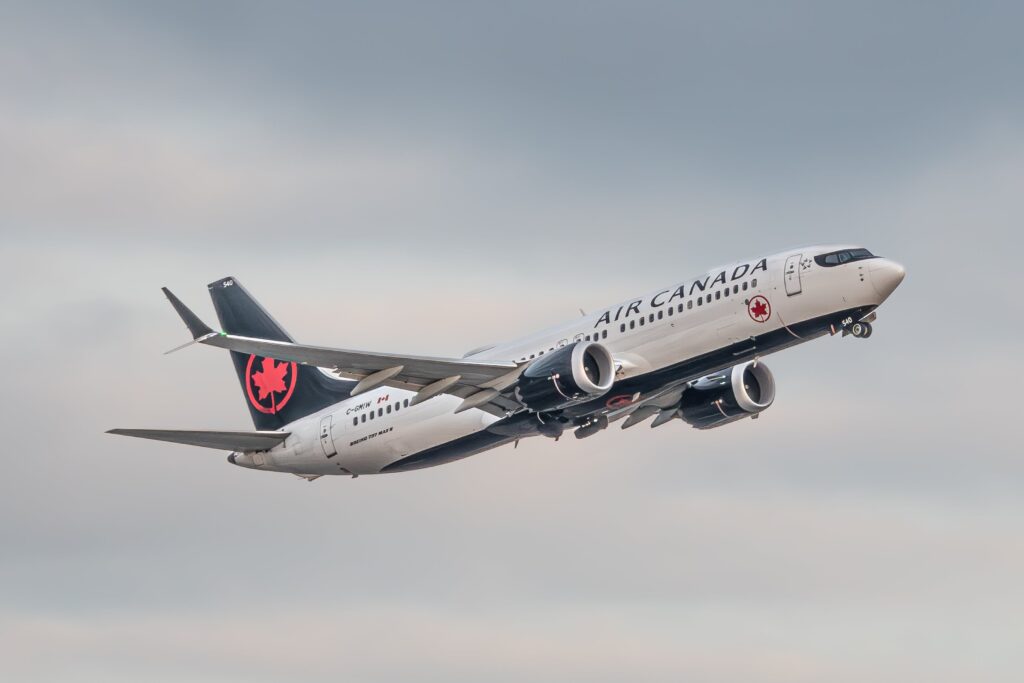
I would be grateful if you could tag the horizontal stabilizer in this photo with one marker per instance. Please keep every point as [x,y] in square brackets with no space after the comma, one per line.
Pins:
[232,441]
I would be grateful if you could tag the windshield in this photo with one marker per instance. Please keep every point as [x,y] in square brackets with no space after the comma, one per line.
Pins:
[842,256]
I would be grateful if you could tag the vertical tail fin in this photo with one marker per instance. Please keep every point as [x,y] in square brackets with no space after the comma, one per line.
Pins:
[277,392]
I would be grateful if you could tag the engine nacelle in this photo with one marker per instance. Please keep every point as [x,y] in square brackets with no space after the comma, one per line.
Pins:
[731,395]
[565,376]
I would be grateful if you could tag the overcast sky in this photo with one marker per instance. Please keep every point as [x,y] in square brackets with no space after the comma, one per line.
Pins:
[429,177]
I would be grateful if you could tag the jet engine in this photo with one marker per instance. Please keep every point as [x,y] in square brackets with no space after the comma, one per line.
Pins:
[725,397]
[572,374]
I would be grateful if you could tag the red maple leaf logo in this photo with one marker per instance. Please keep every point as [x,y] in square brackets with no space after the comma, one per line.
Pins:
[759,308]
[271,379]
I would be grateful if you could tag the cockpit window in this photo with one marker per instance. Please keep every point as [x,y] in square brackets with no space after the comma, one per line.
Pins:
[836,258]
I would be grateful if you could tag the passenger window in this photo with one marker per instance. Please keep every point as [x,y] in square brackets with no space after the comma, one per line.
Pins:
[398,406]
[700,301]
[622,327]
[661,314]
[355,421]
[744,286]
[389,409]
[718,295]
[726,292]
[641,322]
[363,417]
[380,412]
[735,289]
[406,402]
[632,324]
[604,334]
[689,304]
[371,414]
[753,283]
[672,310]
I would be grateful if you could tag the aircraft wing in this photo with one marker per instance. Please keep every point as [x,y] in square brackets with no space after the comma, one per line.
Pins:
[413,369]
[231,441]
[479,383]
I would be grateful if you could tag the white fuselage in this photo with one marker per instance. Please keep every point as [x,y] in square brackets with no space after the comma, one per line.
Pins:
[724,307]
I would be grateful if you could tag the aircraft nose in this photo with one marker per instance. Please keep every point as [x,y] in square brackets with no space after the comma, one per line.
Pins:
[886,276]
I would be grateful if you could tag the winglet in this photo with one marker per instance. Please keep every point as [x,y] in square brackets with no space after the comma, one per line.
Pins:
[196,326]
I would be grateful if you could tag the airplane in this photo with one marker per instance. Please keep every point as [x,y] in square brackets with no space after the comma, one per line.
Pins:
[692,352]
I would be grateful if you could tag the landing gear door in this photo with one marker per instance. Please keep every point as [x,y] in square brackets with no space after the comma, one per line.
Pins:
[326,437]
[791,274]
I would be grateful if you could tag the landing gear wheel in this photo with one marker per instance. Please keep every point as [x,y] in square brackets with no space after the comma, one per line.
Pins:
[861,330]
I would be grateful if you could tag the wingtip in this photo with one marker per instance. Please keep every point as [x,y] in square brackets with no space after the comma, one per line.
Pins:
[195,326]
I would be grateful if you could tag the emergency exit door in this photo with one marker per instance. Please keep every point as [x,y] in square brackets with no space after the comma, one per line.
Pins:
[326,436]
[791,274]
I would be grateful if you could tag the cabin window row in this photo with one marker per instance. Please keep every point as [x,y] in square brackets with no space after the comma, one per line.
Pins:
[688,305]
[381,412]
[660,315]
[603,334]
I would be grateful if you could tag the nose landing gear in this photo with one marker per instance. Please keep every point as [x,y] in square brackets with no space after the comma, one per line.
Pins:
[857,328]
[861,330]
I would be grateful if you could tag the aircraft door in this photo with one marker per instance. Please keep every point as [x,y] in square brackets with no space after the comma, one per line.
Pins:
[327,436]
[791,274]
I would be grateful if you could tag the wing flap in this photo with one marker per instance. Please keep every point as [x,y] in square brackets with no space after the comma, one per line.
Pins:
[232,441]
